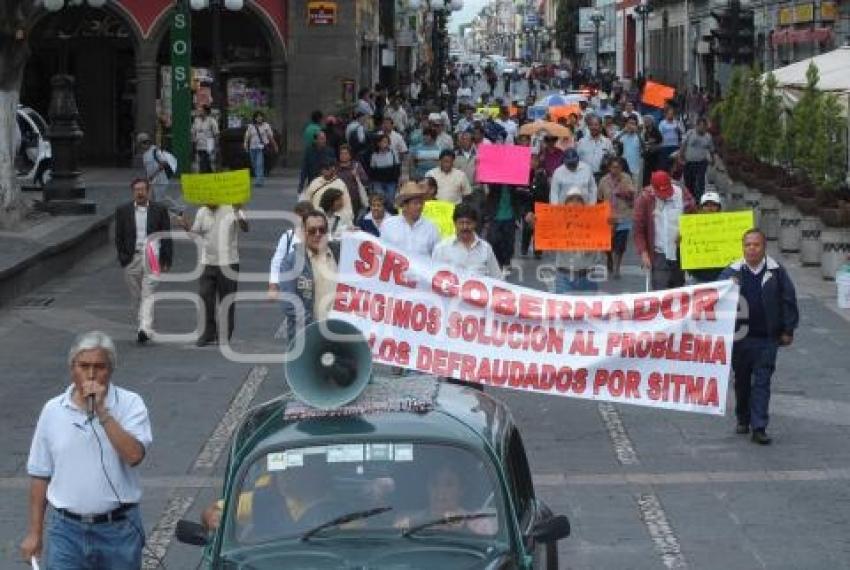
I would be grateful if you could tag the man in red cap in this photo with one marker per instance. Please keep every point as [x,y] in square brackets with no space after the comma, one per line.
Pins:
[656,229]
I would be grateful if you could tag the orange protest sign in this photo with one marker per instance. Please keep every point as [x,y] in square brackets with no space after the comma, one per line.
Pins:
[657,94]
[558,227]
[563,111]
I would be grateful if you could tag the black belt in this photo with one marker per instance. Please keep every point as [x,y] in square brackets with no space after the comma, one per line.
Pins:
[118,514]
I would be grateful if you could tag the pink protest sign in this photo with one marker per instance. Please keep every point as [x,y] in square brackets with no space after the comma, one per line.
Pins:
[503,164]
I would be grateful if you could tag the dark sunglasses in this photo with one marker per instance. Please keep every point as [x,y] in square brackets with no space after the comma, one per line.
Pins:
[317,231]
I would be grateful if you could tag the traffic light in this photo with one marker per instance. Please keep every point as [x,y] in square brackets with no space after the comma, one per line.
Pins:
[733,38]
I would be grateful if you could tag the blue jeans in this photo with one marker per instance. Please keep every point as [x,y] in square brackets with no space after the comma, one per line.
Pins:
[259,165]
[75,545]
[388,190]
[567,283]
[753,360]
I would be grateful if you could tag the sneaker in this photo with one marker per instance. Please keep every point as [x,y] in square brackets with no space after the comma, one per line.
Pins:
[142,337]
[760,437]
[742,429]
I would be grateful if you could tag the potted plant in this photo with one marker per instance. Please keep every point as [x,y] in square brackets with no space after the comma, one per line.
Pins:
[769,134]
[829,160]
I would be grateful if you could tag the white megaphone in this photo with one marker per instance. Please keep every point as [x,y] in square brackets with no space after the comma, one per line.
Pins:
[330,372]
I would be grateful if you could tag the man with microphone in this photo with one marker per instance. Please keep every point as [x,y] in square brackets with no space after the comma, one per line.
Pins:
[87,442]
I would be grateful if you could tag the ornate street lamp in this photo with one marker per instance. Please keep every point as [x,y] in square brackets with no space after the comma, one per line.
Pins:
[644,9]
[65,192]
[597,17]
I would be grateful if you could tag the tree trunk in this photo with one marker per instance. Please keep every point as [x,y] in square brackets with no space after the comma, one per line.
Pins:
[12,205]
[14,18]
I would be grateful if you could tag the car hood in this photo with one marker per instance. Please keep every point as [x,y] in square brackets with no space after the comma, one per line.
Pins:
[411,556]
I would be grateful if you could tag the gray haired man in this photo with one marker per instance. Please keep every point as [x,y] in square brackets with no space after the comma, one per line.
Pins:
[87,442]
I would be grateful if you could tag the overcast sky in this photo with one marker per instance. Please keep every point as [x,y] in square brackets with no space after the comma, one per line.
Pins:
[470,9]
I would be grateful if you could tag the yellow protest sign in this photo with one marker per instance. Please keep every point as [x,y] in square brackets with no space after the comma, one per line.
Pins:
[492,111]
[713,240]
[440,213]
[217,188]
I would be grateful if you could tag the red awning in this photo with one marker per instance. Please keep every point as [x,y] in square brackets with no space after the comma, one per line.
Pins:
[790,36]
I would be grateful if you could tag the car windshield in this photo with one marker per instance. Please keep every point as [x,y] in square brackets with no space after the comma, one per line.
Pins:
[378,489]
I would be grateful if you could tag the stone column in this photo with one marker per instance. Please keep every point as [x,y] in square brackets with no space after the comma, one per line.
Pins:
[146,97]
[279,104]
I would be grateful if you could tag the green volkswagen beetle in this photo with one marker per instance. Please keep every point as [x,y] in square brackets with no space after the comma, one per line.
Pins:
[413,473]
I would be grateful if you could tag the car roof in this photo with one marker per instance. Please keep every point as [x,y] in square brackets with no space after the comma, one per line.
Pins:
[419,408]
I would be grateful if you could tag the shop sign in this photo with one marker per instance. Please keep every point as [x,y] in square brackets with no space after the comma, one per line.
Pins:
[828,12]
[786,16]
[584,43]
[181,84]
[804,13]
[321,13]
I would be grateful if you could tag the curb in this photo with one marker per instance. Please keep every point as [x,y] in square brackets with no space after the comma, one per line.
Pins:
[52,260]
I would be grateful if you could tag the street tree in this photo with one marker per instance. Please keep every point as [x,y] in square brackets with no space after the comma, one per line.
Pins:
[566,26]
[14,50]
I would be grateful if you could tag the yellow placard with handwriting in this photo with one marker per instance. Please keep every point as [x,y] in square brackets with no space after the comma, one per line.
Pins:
[713,239]
[217,188]
[440,213]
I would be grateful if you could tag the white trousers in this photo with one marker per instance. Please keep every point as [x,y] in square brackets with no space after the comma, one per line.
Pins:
[141,284]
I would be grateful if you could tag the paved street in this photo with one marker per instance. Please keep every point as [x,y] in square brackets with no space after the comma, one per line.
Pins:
[643,488]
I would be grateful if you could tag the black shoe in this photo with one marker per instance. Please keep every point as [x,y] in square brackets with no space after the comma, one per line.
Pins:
[760,437]
[205,340]
[742,429]
[142,337]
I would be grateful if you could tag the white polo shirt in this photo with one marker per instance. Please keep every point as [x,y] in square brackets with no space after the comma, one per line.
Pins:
[452,186]
[419,238]
[478,259]
[64,449]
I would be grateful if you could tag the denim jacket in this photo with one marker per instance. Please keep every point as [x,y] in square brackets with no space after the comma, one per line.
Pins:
[296,280]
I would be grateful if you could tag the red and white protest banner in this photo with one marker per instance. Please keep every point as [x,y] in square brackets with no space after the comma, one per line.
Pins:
[667,349]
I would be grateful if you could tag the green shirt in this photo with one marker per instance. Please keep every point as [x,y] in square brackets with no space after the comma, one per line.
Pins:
[505,210]
[310,133]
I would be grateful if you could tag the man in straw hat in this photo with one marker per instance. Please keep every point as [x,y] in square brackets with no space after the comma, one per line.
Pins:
[409,231]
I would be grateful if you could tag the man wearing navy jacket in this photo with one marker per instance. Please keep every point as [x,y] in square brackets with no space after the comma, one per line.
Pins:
[767,320]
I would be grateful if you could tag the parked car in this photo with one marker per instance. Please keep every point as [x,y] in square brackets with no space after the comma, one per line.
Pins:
[414,473]
[33,154]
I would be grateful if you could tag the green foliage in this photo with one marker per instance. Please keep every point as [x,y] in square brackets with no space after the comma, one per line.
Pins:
[246,111]
[832,143]
[731,109]
[769,131]
[566,24]
[806,123]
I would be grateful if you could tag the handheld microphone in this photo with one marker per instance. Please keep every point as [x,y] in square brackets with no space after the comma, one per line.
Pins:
[90,402]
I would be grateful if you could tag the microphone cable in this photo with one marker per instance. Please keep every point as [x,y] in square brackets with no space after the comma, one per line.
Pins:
[160,563]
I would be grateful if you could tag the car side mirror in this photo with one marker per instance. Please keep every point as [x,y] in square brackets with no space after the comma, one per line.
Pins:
[552,529]
[190,532]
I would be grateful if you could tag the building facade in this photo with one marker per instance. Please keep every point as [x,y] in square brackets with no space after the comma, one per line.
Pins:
[284,57]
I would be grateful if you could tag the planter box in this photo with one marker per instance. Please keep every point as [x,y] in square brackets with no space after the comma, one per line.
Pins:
[769,217]
[810,246]
[835,247]
[789,229]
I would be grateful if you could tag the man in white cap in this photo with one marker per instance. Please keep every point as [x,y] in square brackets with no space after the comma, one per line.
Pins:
[443,139]
[156,167]
[710,203]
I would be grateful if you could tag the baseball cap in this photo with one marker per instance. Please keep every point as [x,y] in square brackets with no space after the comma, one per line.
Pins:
[574,191]
[435,118]
[711,197]
[571,156]
[662,184]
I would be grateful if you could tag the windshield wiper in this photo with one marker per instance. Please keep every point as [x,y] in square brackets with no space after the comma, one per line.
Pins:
[451,519]
[356,515]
